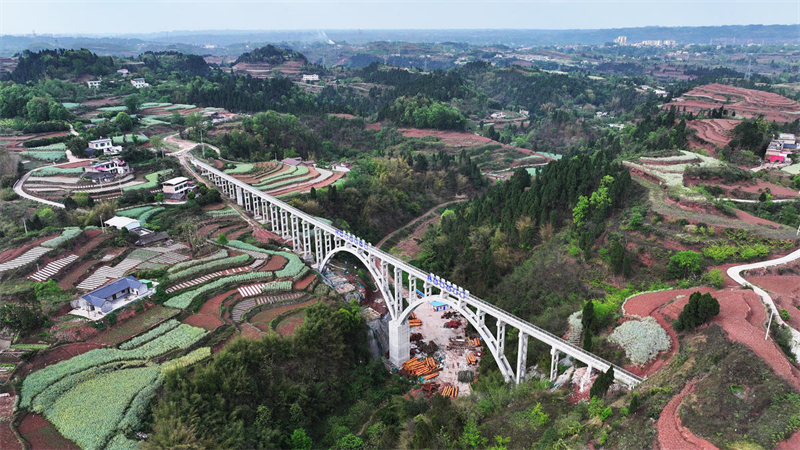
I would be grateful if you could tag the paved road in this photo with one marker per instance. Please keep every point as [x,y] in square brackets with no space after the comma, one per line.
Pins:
[23,194]
[736,274]
[740,200]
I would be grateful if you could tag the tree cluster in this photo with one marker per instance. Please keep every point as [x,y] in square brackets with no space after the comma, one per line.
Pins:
[700,309]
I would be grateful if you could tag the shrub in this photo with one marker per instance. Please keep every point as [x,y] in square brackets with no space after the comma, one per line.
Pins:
[714,278]
[720,252]
[641,340]
[683,264]
[785,314]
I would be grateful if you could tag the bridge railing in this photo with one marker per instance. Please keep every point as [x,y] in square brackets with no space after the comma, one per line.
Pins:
[514,321]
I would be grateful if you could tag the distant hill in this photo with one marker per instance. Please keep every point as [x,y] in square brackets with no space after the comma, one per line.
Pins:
[270,55]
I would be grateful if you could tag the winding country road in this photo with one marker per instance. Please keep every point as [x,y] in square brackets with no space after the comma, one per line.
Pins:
[23,194]
[736,275]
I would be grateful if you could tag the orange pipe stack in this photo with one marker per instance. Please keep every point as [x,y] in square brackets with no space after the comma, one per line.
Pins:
[471,359]
[450,391]
[415,323]
[476,342]
[421,367]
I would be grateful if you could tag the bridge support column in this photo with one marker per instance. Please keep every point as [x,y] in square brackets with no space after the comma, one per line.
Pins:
[398,290]
[239,196]
[285,231]
[307,240]
[295,235]
[412,288]
[554,355]
[274,222]
[399,342]
[318,247]
[501,337]
[522,357]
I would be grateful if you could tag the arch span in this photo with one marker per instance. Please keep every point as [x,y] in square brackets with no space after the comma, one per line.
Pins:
[400,329]
[377,278]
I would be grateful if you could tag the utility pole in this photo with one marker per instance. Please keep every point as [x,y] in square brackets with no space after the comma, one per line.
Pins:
[102,224]
[768,324]
[25,225]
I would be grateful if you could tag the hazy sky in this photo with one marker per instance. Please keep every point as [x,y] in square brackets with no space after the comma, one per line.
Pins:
[144,16]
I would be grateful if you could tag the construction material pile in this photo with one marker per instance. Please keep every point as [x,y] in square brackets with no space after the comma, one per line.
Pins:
[471,359]
[414,321]
[424,368]
[450,391]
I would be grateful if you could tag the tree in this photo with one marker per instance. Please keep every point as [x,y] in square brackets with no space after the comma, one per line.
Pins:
[588,319]
[70,204]
[133,103]
[222,239]
[301,441]
[77,145]
[160,197]
[602,383]
[699,310]
[683,264]
[38,109]
[124,121]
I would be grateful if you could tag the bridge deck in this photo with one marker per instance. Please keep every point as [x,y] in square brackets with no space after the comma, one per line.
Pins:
[471,300]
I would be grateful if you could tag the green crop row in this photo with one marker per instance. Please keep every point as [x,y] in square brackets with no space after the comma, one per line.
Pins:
[211,266]
[52,171]
[193,262]
[240,168]
[185,299]
[68,234]
[181,337]
[245,246]
[165,327]
[152,181]
[277,286]
[44,155]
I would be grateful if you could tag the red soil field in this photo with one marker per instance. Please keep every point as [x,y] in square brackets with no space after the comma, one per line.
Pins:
[75,164]
[672,435]
[261,320]
[206,322]
[250,332]
[777,191]
[275,262]
[14,252]
[264,235]
[652,305]
[305,188]
[302,284]
[42,435]
[785,291]
[745,102]
[288,325]
[8,440]
[714,131]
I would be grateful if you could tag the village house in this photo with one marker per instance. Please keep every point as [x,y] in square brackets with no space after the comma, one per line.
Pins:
[112,167]
[103,145]
[298,162]
[313,77]
[780,148]
[120,222]
[94,84]
[124,72]
[139,83]
[101,301]
[177,188]
[342,166]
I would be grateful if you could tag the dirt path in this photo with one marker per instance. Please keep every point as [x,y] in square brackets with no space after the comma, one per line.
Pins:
[416,221]
[672,435]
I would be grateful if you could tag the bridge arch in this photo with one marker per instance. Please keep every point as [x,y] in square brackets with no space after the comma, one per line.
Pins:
[488,339]
[377,277]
